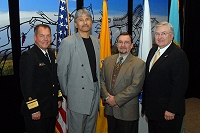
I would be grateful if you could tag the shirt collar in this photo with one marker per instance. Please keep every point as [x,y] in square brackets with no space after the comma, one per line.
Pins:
[43,50]
[124,57]
[162,50]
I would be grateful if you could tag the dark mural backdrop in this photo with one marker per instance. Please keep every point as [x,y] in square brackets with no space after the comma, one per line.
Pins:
[31,15]
[16,35]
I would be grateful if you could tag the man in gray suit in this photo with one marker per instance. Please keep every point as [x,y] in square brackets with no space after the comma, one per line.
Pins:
[78,73]
[121,83]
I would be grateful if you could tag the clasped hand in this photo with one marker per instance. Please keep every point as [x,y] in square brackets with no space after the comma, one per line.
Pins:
[111,101]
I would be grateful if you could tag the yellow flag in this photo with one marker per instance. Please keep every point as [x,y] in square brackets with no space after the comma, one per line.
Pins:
[105,50]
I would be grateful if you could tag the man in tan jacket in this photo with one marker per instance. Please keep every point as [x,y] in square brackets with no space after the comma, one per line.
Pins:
[122,78]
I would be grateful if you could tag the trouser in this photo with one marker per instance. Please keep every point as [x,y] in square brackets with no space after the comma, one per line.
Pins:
[121,126]
[82,123]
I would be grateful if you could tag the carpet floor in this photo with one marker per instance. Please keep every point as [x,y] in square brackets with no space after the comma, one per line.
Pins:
[192,116]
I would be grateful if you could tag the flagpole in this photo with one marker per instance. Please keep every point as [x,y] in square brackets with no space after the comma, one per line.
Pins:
[130,16]
[68,17]
[62,32]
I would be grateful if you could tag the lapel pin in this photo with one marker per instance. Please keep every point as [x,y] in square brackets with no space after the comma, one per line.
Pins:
[41,64]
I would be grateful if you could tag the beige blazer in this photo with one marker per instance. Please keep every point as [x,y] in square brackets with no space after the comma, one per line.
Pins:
[127,86]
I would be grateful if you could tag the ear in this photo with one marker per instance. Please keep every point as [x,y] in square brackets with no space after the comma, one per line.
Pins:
[34,37]
[75,24]
[132,45]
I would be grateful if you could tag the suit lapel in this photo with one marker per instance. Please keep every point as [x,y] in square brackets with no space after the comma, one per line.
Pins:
[96,46]
[162,58]
[150,56]
[110,67]
[83,55]
[123,69]
[51,56]
[96,49]
[42,57]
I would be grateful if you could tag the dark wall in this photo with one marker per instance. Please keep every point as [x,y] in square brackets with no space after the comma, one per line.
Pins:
[10,93]
[192,46]
[10,103]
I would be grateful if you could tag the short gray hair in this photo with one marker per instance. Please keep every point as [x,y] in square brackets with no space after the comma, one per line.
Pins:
[171,29]
[80,12]
[41,25]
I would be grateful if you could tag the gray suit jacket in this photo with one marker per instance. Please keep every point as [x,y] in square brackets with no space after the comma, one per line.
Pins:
[127,86]
[75,75]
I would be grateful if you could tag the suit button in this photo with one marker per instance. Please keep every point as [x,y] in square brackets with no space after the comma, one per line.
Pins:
[82,76]
[82,65]
[53,85]
[83,88]
[53,94]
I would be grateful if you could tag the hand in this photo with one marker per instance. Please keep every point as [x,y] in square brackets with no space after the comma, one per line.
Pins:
[36,116]
[111,100]
[142,114]
[59,104]
[168,115]
[116,106]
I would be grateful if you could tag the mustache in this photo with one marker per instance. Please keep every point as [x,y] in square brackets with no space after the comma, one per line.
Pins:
[121,52]
[122,47]
[85,25]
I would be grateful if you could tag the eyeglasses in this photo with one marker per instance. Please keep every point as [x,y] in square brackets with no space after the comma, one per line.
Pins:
[162,34]
[120,42]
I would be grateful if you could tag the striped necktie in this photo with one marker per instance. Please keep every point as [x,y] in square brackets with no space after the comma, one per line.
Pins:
[119,62]
[47,56]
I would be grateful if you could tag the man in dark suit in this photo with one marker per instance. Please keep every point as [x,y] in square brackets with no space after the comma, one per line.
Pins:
[165,83]
[39,84]
[122,77]
[78,73]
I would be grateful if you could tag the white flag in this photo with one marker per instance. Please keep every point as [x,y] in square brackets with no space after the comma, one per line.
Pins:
[145,34]
[144,47]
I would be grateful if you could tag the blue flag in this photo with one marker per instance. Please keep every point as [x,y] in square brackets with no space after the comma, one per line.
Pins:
[174,20]
[63,22]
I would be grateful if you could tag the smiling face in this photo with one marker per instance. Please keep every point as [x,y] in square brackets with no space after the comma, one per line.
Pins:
[124,45]
[83,23]
[43,38]
[163,36]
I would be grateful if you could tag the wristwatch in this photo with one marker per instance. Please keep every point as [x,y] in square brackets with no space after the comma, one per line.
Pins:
[106,98]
